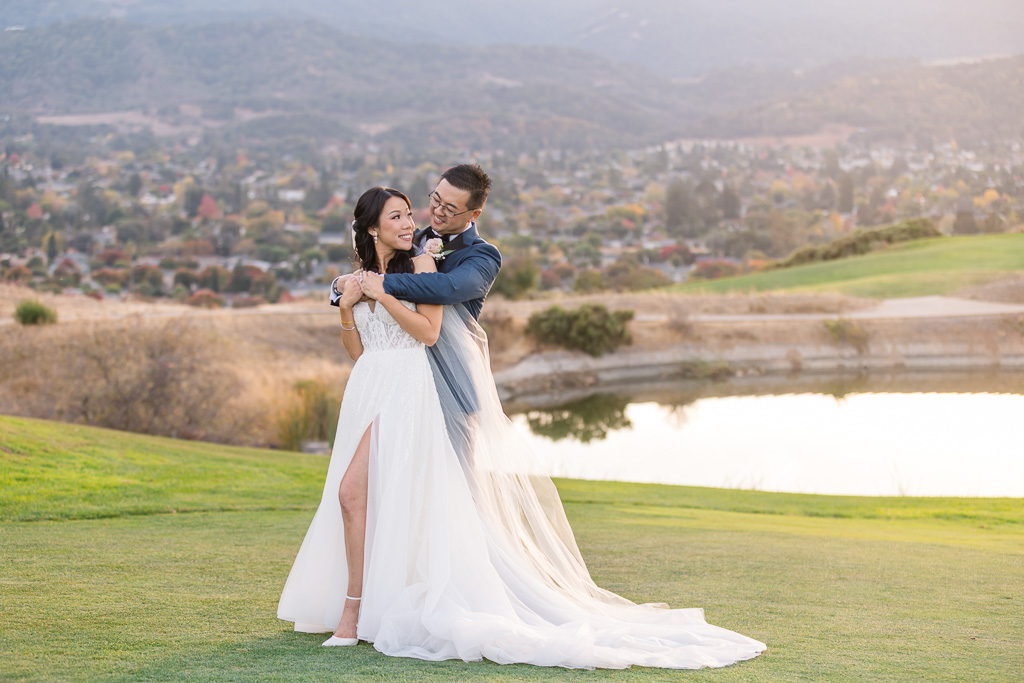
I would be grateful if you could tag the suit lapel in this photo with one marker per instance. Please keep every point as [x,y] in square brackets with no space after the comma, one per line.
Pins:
[463,239]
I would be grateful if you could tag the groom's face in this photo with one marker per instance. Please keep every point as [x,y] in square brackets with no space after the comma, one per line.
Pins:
[449,209]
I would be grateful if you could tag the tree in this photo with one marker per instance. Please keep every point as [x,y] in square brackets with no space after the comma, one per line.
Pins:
[707,202]
[207,208]
[589,281]
[845,204]
[193,198]
[680,208]
[831,163]
[51,248]
[965,223]
[730,203]
[517,277]
[186,277]
[241,279]
[134,185]
[214,278]
[993,223]
[632,277]
[334,222]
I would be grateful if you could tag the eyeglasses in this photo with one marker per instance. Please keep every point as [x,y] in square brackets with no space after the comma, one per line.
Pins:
[435,202]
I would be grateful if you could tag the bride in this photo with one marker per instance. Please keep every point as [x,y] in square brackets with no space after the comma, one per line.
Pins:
[435,553]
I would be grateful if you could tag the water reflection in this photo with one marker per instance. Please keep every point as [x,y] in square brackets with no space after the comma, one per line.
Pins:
[911,434]
[585,420]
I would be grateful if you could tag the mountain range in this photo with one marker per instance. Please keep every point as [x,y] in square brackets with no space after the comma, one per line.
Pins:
[672,38]
[273,79]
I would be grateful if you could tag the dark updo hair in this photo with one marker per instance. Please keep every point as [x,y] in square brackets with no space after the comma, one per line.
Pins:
[367,216]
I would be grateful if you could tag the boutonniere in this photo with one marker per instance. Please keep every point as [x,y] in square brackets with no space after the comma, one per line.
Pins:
[434,247]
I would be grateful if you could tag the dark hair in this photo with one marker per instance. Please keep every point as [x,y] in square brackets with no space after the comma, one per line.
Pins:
[367,215]
[472,179]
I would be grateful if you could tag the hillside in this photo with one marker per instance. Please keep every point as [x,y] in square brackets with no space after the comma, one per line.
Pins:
[250,75]
[270,80]
[971,103]
[932,266]
[671,38]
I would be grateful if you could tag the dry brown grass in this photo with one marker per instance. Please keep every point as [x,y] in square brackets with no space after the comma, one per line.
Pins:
[254,358]
[660,303]
[80,307]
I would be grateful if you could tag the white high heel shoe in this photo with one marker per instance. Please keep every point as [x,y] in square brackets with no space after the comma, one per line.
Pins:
[335,641]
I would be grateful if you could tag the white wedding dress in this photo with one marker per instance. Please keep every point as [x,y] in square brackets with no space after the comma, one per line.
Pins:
[468,561]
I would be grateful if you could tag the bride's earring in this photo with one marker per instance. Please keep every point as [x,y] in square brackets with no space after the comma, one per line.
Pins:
[375,238]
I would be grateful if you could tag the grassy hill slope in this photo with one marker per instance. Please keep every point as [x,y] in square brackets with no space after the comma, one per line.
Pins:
[844,589]
[923,267]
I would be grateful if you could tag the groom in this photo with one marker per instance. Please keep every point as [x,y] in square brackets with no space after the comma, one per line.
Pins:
[466,271]
[470,265]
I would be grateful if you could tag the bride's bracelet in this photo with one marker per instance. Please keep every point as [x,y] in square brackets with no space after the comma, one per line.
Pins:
[349,322]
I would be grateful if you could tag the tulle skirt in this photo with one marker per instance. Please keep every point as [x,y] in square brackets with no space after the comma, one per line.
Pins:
[444,577]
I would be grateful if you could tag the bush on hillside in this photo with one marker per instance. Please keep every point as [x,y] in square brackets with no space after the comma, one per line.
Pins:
[30,312]
[591,328]
[861,242]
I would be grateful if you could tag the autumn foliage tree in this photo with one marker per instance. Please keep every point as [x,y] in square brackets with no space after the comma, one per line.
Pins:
[207,208]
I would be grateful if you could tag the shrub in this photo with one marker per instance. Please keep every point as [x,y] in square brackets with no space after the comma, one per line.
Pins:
[165,379]
[311,415]
[148,279]
[186,277]
[845,331]
[18,275]
[862,241]
[204,298]
[31,312]
[713,269]
[110,276]
[589,281]
[627,276]
[591,328]
[247,301]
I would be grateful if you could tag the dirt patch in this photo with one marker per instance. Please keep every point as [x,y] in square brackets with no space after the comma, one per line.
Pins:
[1008,291]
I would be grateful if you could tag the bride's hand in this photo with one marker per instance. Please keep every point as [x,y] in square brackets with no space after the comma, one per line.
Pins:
[352,292]
[372,284]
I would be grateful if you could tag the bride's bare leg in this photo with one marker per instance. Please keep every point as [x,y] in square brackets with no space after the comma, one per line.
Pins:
[352,496]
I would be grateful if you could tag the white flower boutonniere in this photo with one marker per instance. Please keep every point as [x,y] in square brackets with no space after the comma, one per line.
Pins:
[434,247]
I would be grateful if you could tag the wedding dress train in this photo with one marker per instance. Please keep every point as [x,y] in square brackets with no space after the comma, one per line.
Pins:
[468,557]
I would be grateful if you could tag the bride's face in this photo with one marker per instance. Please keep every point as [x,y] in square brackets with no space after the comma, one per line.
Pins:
[395,227]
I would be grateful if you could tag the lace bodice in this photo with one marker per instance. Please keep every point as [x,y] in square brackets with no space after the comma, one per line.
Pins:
[379,331]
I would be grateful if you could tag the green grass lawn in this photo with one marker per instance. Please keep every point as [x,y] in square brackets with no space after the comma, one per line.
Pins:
[136,558]
[923,267]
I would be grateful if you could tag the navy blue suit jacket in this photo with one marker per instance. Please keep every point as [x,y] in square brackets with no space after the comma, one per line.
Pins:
[464,276]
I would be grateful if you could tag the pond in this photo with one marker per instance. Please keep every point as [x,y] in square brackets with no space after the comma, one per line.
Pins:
[914,434]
